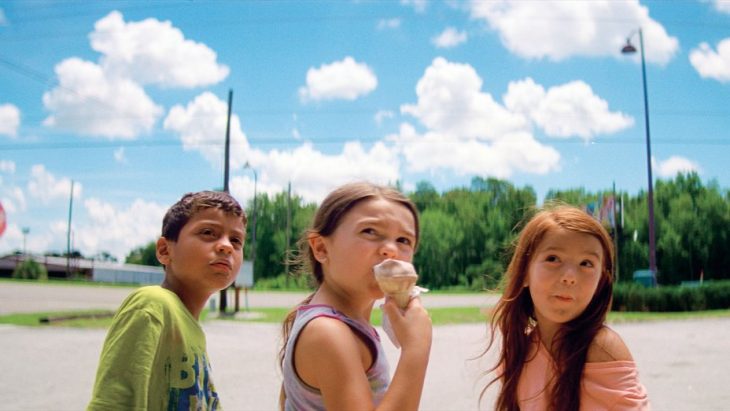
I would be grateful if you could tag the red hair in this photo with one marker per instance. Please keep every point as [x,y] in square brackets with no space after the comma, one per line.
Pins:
[514,315]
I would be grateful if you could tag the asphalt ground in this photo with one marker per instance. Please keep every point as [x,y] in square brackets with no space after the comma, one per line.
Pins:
[682,363]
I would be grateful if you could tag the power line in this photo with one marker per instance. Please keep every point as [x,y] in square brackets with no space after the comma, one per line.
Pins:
[86,145]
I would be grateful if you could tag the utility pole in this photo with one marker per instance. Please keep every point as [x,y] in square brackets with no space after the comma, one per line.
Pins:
[615,234]
[288,229]
[68,232]
[224,293]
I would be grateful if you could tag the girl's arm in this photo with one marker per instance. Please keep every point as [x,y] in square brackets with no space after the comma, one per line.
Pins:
[611,378]
[608,346]
[413,329]
[331,357]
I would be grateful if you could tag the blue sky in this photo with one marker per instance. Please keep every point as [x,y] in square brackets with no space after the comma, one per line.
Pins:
[128,100]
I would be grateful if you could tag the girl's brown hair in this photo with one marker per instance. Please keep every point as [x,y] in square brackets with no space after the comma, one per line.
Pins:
[514,315]
[326,220]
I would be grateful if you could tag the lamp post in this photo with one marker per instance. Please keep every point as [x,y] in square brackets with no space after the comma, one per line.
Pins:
[629,49]
[25,231]
[253,221]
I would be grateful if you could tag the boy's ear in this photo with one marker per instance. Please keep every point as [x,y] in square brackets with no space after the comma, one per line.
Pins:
[163,251]
[318,247]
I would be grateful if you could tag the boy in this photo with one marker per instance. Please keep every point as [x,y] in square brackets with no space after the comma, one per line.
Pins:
[154,356]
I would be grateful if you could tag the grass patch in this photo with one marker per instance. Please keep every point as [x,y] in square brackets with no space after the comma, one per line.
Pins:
[439,316]
[70,282]
[74,319]
[77,319]
[258,315]
[641,316]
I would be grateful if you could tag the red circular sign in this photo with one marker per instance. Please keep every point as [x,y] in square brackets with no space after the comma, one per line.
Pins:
[3,222]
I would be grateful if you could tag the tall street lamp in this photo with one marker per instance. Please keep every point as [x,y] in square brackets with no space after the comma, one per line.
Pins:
[629,49]
[25,231]
[253,222]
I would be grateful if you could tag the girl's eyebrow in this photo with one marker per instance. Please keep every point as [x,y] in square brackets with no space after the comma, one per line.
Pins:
[374,221]
[559,248]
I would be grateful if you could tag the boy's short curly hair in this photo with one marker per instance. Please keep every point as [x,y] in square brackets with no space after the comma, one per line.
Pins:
[180,213]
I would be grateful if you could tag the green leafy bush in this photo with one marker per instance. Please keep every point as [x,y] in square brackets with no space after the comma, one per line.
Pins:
[30,270]
[712,295]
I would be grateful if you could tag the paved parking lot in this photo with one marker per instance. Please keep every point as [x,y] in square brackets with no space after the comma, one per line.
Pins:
[683,363]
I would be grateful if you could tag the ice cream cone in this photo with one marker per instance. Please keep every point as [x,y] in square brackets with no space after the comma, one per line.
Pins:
[396,279]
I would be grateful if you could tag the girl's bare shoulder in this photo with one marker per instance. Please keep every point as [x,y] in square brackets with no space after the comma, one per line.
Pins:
[608,346]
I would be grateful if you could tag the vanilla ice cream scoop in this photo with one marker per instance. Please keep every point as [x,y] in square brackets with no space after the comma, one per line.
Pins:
[396,279]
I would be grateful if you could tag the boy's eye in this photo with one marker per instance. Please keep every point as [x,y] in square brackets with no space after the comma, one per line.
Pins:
[368,231]
[552,258]
[406,241]
[587,263]
[207,232]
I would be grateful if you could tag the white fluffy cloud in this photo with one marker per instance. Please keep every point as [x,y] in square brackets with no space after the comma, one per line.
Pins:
[560,29]
[107,99]
[450,102]
[675,164]
[89,102]
[346,79]
[45,187]
[118,230]
[483,136]
[710,63]
[567,110]
[313,173]
[9,120]
[514,151]
[202,127]
[450,37]
[154,52]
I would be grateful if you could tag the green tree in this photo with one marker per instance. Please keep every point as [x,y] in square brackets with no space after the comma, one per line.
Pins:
[425,196]
[693,228]
[144,255]
[436,259]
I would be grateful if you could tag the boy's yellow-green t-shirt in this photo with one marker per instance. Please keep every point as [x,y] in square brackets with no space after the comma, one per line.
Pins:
[154,357]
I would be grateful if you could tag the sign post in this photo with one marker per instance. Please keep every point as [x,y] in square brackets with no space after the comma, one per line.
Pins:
[245,280]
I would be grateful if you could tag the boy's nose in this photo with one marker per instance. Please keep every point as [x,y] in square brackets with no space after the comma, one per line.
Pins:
[224,246]
[389,250]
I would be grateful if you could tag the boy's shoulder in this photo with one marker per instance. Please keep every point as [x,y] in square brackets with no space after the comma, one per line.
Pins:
[151,295]
[608,346]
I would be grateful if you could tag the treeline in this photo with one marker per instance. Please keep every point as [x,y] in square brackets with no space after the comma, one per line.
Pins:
[466,233]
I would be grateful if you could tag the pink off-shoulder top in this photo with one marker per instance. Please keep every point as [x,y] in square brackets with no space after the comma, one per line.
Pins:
[612,385]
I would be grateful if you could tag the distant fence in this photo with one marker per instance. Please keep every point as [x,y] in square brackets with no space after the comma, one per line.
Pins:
[128,273]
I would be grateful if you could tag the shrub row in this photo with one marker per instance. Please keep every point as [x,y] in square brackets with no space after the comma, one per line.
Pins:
[711,295]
